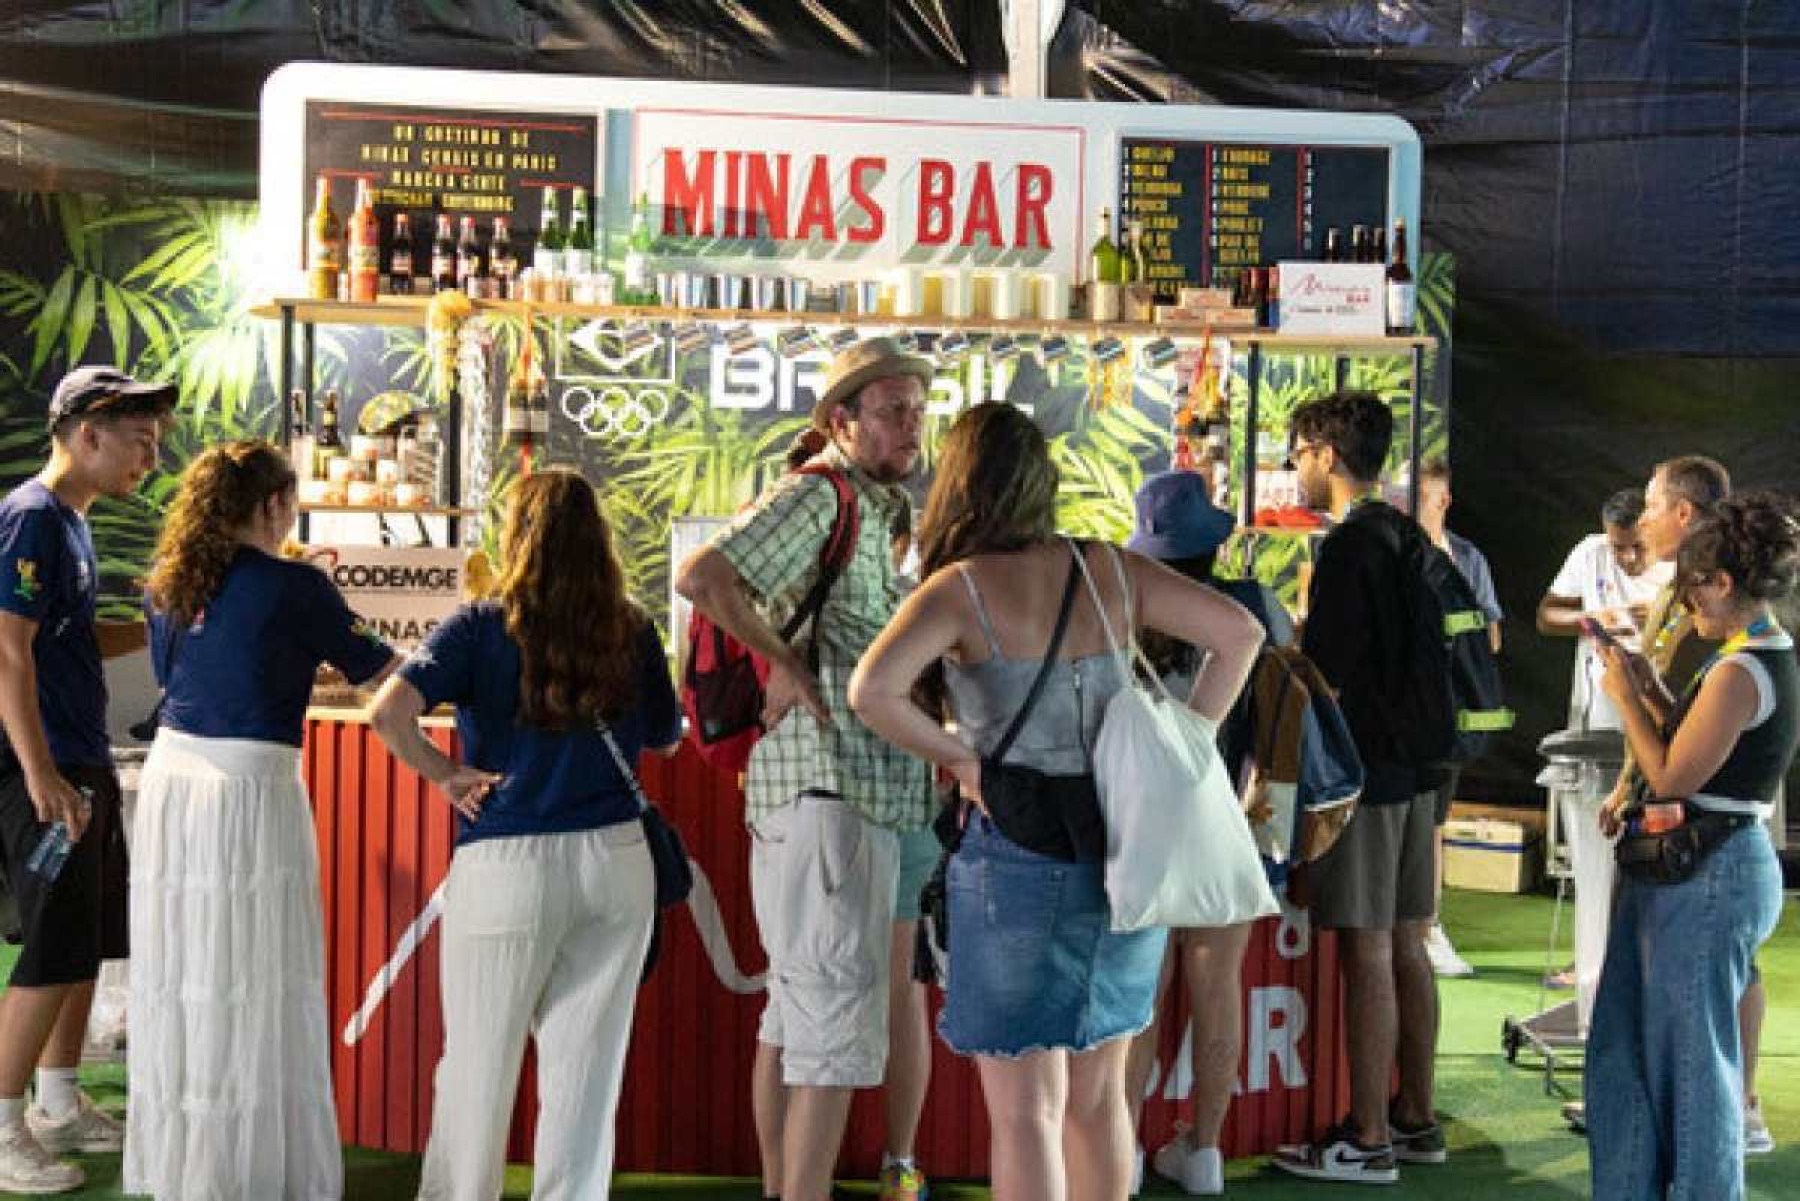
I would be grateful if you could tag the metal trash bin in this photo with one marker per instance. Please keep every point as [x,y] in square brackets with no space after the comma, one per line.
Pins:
[1582,767]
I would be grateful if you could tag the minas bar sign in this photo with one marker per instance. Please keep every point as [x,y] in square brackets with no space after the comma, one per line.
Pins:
[851,193]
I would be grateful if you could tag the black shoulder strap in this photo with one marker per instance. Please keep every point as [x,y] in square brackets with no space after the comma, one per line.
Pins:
[1050,652]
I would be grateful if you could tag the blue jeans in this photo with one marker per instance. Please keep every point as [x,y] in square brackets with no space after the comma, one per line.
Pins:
[1664,1086]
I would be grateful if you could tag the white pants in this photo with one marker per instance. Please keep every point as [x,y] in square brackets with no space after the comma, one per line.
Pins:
[543,935]
[822,883]
[1591,861]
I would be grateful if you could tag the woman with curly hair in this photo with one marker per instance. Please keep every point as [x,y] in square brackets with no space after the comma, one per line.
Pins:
[548,905]
[230,1086]
[1665,1090]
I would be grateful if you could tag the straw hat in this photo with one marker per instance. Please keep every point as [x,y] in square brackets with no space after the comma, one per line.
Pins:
[862,364]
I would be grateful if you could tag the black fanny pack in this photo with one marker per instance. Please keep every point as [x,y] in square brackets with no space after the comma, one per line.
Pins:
[1673,856]
[1057,816]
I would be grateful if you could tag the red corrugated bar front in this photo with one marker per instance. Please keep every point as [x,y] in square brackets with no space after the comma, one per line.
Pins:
[384,844]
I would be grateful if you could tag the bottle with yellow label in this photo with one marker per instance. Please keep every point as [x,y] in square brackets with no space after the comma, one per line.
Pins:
[324,245]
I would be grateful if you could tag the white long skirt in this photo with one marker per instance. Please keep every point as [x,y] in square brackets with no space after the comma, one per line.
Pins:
[230,1083]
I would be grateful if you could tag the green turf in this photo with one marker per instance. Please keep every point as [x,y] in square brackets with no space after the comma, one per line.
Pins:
[1506,1139]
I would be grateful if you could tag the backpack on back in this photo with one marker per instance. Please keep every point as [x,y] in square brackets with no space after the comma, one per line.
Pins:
[722,684]
[1450,698]
[1308,774]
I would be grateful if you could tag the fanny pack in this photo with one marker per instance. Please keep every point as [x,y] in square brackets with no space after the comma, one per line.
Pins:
[1057,816]
[1673,856]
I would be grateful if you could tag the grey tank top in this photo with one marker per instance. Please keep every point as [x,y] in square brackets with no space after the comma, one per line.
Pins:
[1060,732]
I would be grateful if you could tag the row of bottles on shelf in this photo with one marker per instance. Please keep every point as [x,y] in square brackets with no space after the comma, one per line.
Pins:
[398,464]
[344,260]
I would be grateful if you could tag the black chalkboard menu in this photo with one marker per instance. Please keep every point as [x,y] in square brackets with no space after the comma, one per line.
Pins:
[427,161]
[1210,209]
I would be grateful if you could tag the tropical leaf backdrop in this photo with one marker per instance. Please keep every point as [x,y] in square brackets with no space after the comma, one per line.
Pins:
[164,288]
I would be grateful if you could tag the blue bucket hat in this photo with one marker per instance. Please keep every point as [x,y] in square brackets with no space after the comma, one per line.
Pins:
[1176,519]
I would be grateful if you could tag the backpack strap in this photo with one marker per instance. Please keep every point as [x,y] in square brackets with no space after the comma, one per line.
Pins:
[1043,676]
[834,556]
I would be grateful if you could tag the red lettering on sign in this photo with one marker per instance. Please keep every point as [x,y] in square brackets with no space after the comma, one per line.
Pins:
[1030,226]
[766,196]
[859,195]
[937,186]
[734,176]
[984,210]
[689,197]
[816,215]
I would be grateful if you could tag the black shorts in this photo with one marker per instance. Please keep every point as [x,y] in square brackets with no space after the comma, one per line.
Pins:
[68,927]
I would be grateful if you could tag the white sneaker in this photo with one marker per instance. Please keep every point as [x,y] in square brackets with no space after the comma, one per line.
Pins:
[25,1167]
[87,1131]
[1757,1139]
[1200,1171]
[1444,959]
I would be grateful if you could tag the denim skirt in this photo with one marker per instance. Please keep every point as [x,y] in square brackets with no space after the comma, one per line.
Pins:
[1033,965]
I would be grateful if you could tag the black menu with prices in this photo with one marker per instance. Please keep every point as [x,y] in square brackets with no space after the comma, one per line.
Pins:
[426,161]
[1211,209]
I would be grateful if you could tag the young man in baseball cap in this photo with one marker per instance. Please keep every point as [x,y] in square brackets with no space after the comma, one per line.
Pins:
[56,766]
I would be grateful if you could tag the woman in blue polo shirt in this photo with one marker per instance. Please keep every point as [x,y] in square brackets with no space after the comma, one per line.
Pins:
[548,905]
[230,1085]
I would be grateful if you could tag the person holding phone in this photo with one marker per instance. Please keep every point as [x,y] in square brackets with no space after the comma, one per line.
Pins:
[1664,1070]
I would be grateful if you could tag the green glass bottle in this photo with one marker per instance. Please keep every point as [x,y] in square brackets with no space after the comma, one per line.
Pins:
[640,254]
[1106,271]
[578,254]
[546,255]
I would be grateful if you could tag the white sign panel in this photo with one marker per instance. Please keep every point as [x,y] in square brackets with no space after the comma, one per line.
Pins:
[1333,298]
[847,191]
[402,592]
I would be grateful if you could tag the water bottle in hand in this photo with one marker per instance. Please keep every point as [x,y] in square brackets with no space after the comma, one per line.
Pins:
[52,851]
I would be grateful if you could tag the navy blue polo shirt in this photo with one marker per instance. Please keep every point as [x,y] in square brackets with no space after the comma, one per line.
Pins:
[49,574]
[553,781]
[244,668]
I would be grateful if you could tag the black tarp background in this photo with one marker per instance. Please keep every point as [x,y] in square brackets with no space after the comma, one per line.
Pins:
[1618,181]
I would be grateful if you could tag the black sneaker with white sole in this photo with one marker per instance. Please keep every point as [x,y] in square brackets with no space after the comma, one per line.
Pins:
[1337,1156]
[1418,1144]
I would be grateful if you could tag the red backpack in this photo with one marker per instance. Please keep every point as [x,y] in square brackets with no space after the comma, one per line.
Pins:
[722,687]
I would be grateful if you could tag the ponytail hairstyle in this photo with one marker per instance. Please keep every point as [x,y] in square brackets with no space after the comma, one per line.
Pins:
[1754,539]
[562,591]
[221,492]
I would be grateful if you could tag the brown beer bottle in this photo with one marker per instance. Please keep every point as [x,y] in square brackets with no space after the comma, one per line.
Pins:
[1402,292]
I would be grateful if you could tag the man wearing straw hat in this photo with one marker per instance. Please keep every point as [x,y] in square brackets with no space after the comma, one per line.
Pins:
[828,799]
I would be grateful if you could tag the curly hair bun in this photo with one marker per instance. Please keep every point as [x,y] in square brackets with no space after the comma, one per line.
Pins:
[1760,544]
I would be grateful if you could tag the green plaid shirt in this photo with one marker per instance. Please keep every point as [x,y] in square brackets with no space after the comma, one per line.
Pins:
[775,545]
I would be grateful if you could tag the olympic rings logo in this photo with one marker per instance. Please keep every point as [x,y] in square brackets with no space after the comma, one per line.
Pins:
[615,412]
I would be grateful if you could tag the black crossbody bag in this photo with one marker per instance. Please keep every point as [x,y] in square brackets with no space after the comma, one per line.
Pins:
[668,855]
[1053,815]
[1673,856]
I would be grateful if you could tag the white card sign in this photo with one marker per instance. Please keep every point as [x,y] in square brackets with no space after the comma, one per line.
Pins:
[1333,298]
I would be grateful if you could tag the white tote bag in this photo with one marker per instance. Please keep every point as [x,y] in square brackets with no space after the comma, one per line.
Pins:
[1179,851]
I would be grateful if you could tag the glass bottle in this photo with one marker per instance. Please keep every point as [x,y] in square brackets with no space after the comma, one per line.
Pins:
[578,254]
[1106,272]
[546,254]
[324,245]
[1402,292]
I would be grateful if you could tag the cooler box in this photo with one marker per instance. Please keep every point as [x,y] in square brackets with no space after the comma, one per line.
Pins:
[1492,848]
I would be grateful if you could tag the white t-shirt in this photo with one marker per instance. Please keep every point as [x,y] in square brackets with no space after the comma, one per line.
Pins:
[1592,574]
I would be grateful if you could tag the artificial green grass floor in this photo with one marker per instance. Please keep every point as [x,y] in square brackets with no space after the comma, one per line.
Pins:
[1506,1136]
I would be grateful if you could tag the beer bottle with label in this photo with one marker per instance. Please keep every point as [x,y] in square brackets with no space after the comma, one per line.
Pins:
[324,245]
[540,408]
[443,256]
[546,255]
[468,259]
[1402,292]
[1136,254]
[515,413]
[640,251]
[503,264]
[1106,271]
[400,257]
[300,439]
[578,255]
[365,247]
[329,444]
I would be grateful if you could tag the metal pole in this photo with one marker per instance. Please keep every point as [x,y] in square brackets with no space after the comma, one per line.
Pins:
[1415,423]
[1028,26]
[1252,407]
